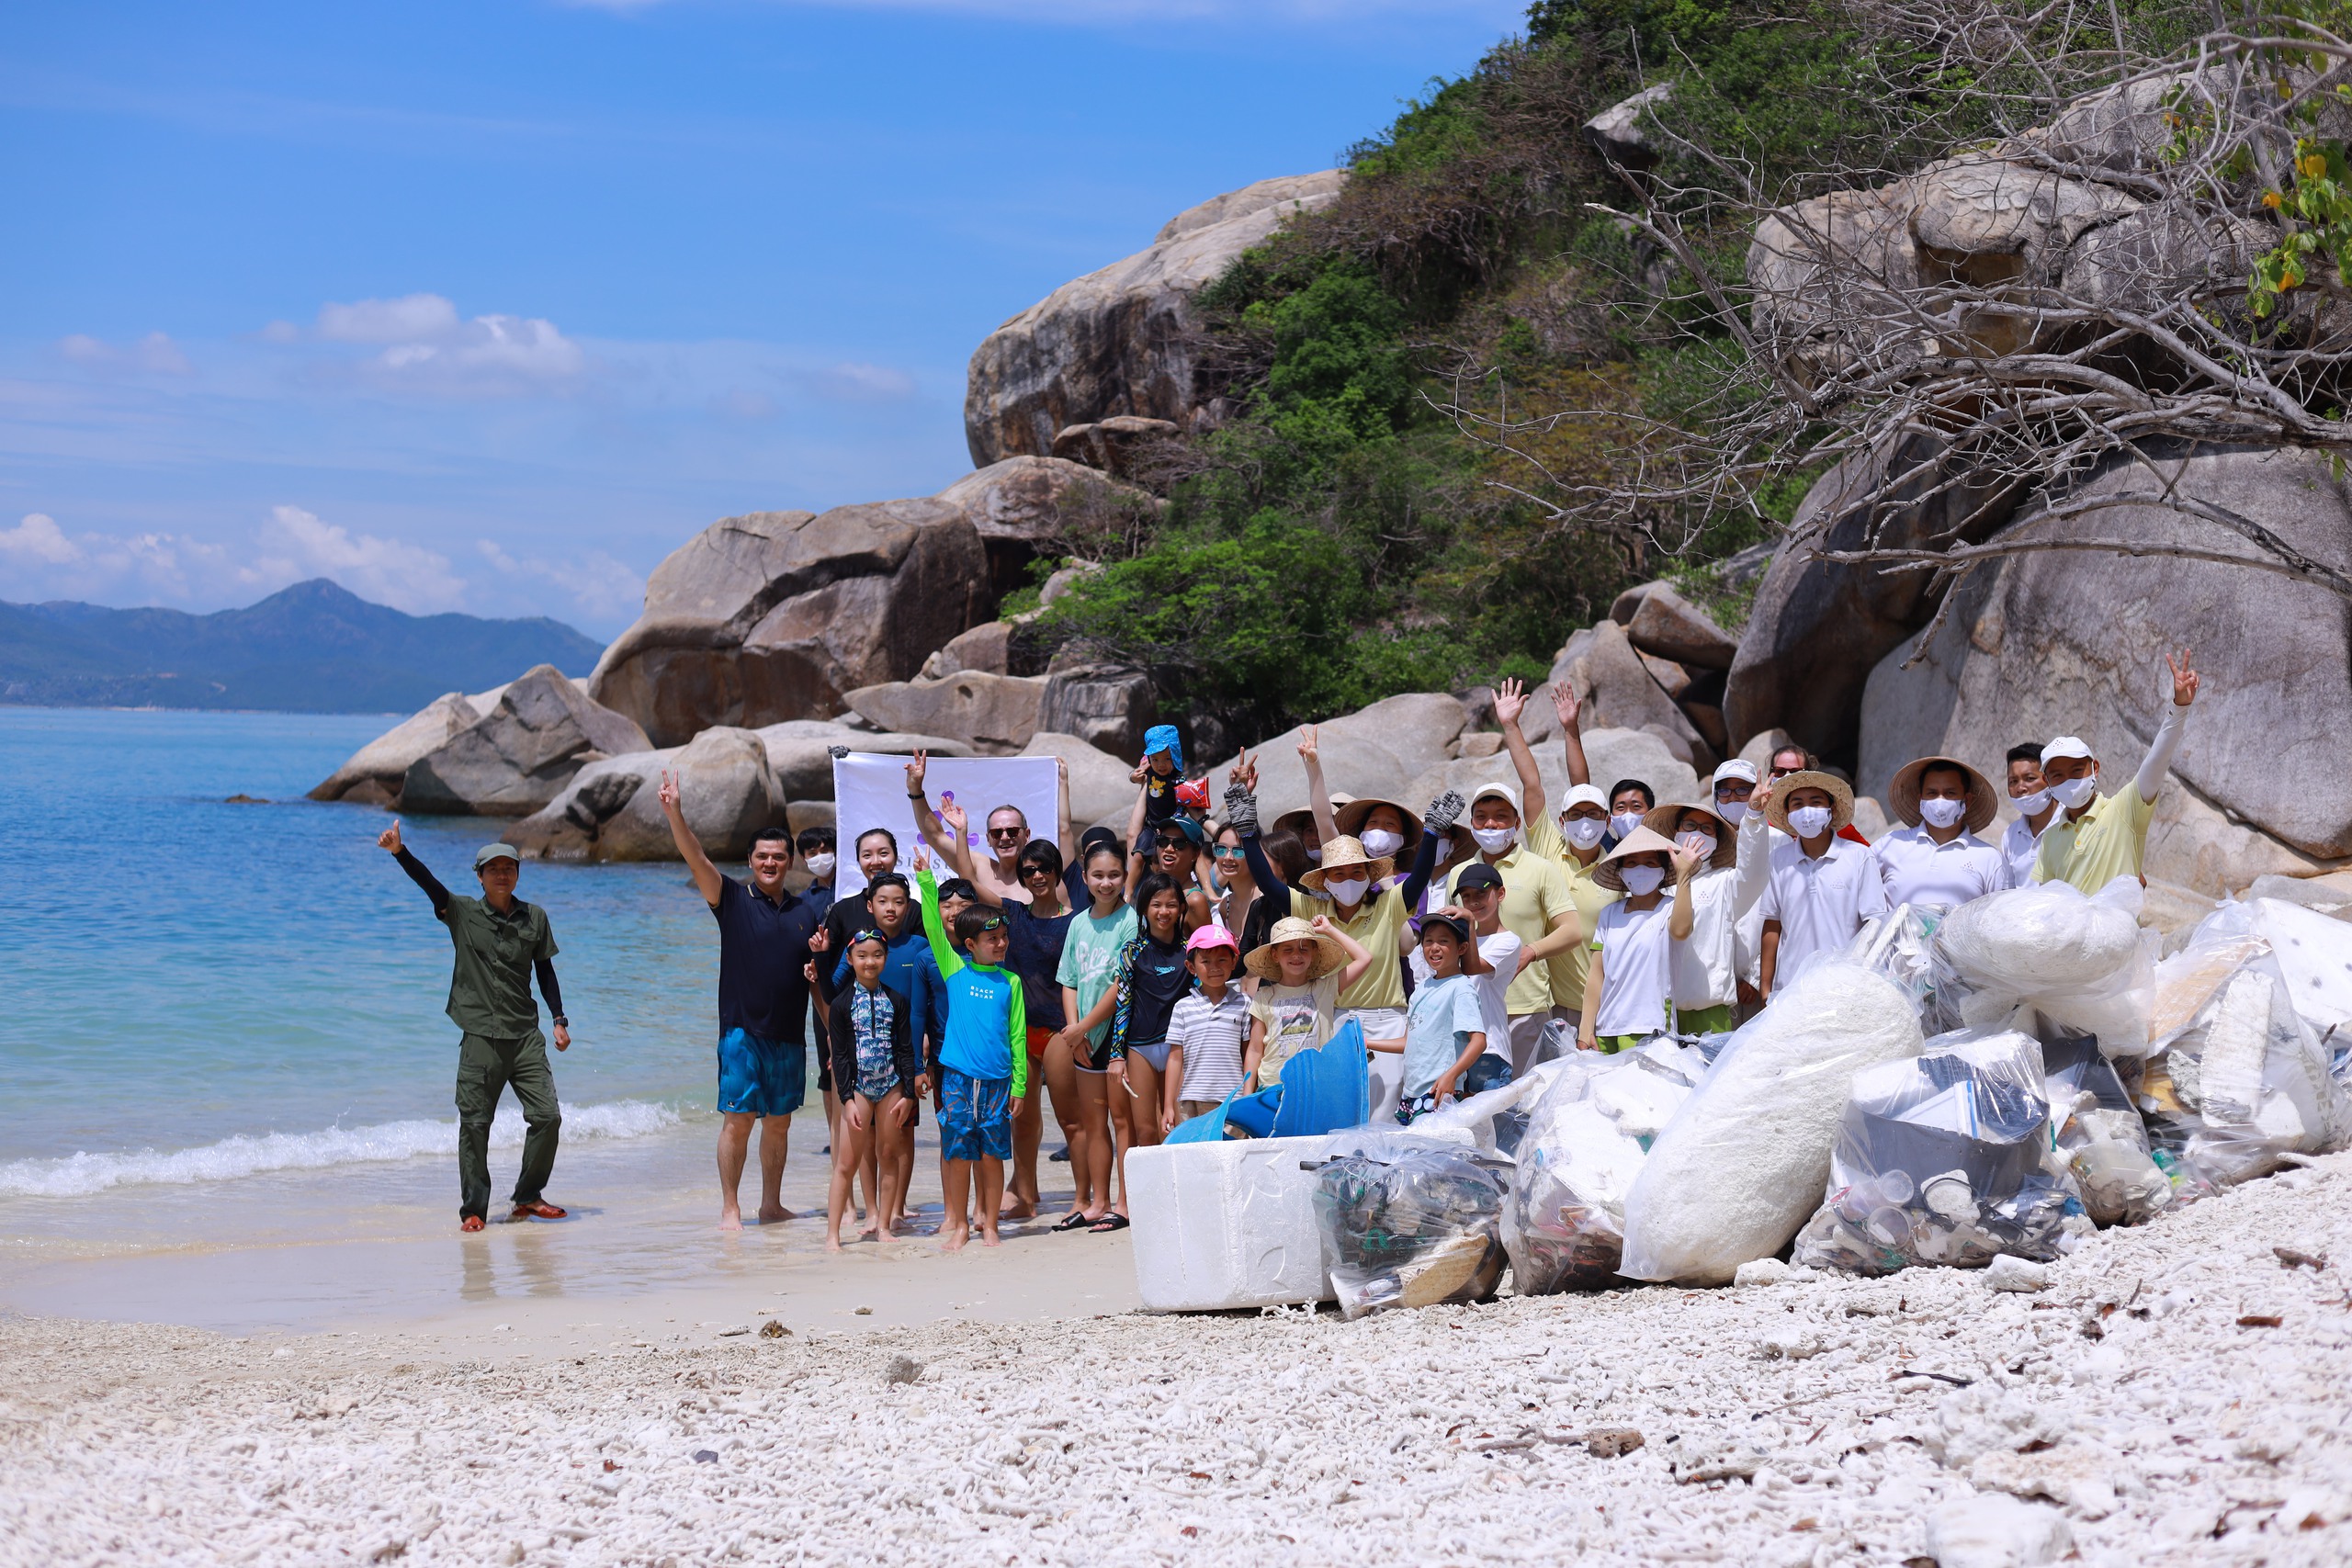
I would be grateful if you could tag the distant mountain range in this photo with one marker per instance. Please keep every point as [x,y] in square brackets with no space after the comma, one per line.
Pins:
[313,647]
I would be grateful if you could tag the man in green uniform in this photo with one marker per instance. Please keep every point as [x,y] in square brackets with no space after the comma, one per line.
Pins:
[499,940]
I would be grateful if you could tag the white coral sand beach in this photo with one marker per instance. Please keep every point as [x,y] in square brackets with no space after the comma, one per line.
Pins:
[2176,1393]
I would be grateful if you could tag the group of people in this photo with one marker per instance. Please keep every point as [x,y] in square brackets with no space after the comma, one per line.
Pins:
[1136,982]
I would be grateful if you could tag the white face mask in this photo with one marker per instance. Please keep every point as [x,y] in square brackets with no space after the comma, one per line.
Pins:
[1381,842]
[1583,831]
[1641,880]
[1942,813]
[2074,792]
[1315,857]
[820,866]
[1623,823]
[2033,804]
[1494,841]
[1809,821]
[1345,890]
[1734,811]
[1700,844]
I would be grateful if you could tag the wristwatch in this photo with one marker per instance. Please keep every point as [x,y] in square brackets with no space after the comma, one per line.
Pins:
[561,1021]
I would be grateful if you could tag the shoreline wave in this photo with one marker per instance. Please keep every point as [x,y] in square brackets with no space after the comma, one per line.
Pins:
[83,1175]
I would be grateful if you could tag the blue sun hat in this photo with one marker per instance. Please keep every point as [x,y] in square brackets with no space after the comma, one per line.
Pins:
[1162,737]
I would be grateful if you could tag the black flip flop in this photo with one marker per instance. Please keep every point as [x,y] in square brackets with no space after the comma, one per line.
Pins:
[1073,1221]
[1107,1224]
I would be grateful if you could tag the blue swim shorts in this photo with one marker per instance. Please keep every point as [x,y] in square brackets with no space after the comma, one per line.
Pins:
[759,1076]
[974,1116]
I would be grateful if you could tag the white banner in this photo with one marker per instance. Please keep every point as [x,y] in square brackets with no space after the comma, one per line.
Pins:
[870,791]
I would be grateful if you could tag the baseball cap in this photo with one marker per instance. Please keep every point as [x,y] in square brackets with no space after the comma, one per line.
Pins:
[2065,746]
[1584,795]
[1211,935]
[1476,874]
[1738,768]
[1455,923]
[490,852]
[1500,792]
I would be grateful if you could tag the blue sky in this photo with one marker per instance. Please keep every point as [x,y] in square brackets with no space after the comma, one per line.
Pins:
[489,306]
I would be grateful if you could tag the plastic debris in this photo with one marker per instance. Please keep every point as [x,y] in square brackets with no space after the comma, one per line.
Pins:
[2011,1273]
[1586,1139]
[1943,1159]
[2245,1084]
[2083,963]
[1744,1162]
[2101,1135]
[1406,1226]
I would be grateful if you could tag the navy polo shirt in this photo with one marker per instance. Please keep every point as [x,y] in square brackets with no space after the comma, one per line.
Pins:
[763,956]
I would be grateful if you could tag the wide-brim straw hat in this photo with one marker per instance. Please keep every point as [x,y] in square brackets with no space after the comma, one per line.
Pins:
[1664,819]
[1330,959]
[1351,820]
[1341,852]
[1642,840]
[1841,793]
[1902,795]
[1302,819]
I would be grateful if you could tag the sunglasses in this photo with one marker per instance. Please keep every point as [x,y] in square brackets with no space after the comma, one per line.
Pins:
[1224,852]
[1005,833]
[993,923]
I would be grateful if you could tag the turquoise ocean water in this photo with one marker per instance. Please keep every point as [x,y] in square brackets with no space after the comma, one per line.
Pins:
[196,992]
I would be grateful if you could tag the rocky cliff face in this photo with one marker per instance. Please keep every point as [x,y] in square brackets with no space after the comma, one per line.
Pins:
[1115,343]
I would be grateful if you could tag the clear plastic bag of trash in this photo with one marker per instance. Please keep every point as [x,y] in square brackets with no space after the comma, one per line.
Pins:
[2314,953]
[1410,1226]
[1943,1159]
[2245,1083]
[1587,1136]
[1901,946]
[1496,1120]
[1743,1162]
[2100,1134]
[2082,962]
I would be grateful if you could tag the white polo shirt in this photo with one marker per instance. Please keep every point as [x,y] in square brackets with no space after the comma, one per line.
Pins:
[1920,872]
[2019,846]
[1821,902]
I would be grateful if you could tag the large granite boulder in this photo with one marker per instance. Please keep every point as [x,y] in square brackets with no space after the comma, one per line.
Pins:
[1375,750]
[1818,627]
[1618,690]
[376,772]
[2072,642]
[1029,506]
[612,810]
[1116,342]
[520,755]
[1612,754]
[1101,787]
[996,715]
[779,614]
[1668,625]
[801,752]
[1109,705]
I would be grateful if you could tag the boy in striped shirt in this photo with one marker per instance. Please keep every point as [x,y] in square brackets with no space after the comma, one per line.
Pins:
[1205,1031]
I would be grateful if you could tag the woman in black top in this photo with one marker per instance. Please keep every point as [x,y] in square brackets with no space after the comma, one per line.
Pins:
[1152,978]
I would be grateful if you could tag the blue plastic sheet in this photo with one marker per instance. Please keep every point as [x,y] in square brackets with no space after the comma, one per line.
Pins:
[1321,1091]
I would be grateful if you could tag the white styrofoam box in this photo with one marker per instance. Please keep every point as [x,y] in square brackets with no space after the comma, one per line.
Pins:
[1229,1224]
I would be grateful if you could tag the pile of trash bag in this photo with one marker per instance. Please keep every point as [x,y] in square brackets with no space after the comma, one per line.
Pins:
[1405,1225]
[2241,1078]
[1587,1136]
[2101,1135]
[1743,1162]
[1944,1158]
[2084,964]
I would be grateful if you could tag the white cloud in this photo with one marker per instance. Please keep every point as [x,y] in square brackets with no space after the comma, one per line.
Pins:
[297,545]
[427,347]
[855,383]
[412,318]
[155,353]
[37,538]
[599,585]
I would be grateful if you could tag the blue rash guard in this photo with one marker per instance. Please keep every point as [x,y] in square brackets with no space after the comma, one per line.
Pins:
[987,1019]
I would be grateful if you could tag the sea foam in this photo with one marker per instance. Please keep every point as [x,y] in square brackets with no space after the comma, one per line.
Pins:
[79,1175]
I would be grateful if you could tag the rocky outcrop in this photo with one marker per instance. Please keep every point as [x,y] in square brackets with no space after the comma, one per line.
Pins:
[1107,706]
[1115,343]
[1101,787]
[520,755]
[1617,132]
[1619,691]
[1377,751]
[1662,623]
[1025,507]
[801,750]
[2072,642]
[995,715]
[612,810]
[984,649]
[780,614]
[376,772]
[1611,754]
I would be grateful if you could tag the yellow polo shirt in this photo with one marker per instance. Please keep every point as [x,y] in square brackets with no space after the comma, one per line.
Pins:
[1536,893]
[1569,968]
[1378,920]
[2109,841]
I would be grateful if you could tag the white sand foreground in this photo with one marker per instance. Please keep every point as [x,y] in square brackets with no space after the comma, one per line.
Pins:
[2144,1401]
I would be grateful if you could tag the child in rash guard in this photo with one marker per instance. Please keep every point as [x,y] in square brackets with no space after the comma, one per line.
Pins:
[983,1062]
[1445,1023]
[872,1049]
